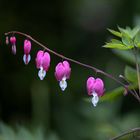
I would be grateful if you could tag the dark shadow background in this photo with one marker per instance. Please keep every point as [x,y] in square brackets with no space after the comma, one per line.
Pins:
[77,29]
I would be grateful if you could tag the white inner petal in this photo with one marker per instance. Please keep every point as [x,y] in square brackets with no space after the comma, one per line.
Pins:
[63,84]
[95,99]
[26,58]
[41,73]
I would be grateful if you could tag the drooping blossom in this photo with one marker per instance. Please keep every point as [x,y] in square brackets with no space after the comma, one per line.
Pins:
[95,88]
[42,63]
[62,73]
[13,43]
[27,49]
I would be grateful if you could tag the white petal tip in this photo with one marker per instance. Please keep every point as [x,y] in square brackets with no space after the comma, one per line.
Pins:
[26,58]
[95,99]
[41,74]
[63,84]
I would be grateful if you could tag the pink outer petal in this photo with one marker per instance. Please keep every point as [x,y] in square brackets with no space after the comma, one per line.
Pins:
[43,60]
[39,59]
[27,46]
[40,53]
[67,69]
[59,71]
[90,83]
[62,70]
[95,85]
[46,61]
[13,39]
[99,87]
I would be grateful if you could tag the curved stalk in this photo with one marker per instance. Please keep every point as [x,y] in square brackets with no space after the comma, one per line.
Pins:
[45,47]
[137,67]
[126,133]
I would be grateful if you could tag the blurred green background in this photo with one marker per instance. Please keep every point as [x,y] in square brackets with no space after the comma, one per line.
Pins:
[39,110]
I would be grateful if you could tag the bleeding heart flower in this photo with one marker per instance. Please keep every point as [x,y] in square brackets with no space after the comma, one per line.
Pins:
[62,73]
[95,87]
[43,63]
[13,42]
[27,49]
[7,40]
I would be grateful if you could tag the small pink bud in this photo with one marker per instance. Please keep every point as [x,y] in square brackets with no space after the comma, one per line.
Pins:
[43,63]
[27,49]
[7,40]
[95,87]
[13,42]
[62,72]
[39,58]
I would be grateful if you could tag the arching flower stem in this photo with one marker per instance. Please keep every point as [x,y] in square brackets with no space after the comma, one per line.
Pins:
[72,60]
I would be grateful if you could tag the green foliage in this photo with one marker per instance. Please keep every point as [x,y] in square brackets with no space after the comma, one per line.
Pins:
[112,95]
[106,124]
[130,38]
[127,40]
[130,74]
[116,93]
[20,133]
[127,56]
[137,39]
[130,32]
[116,33]
[120,46]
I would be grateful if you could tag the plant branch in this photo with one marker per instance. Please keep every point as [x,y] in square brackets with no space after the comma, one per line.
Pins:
[72,60]
[137,67]
[126,133]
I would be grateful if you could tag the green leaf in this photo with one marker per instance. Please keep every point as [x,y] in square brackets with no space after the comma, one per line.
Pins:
[115,41]
[130,74]
[130,32]
[137,39]
[127,40]
[117,46]
[126,31]
[116,33]
[116,93]
[135,31]
[112,95]
[127,56]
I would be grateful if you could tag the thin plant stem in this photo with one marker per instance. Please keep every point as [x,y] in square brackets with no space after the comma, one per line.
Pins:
[137,67]
[126,133]
[130,84]
[45,47]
